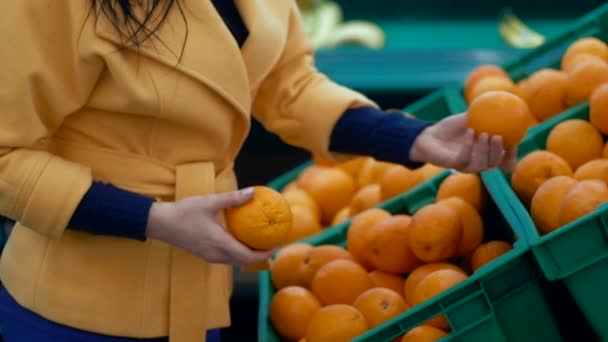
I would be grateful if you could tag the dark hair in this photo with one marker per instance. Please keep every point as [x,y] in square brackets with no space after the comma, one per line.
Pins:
[135,29]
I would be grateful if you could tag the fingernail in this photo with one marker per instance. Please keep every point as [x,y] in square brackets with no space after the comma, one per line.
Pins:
[248,191]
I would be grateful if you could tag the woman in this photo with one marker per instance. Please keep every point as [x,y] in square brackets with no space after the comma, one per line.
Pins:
[119,124]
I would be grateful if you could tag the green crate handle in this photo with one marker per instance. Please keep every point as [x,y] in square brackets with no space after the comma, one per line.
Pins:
[479,295]
[601,215]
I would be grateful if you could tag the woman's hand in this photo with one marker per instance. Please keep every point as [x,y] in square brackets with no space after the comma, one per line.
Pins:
[451,144]
[193,224]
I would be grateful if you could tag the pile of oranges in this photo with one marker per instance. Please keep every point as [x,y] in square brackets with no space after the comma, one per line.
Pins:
[327,194]
[569,179]
[391,263]
[548,92]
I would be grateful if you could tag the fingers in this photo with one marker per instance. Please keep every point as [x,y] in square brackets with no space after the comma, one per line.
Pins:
[463,160]
[237,254]
[487,153]
[479,154]
[453,125]
[496,152]
[509,161]
[225,200]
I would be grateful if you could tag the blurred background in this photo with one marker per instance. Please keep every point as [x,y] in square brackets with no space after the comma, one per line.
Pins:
[410,49]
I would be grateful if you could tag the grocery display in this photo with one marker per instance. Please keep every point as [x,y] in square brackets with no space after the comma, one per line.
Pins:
[552,102]
[565,220]
[469,274]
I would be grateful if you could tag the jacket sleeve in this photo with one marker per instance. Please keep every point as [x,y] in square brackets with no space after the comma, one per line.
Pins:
[300,104]
[43,79]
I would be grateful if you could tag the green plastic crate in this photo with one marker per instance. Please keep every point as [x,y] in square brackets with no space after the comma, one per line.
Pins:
[503,301]
[576,253]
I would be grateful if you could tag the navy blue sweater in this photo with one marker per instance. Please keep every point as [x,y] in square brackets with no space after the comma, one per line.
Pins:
[367,131]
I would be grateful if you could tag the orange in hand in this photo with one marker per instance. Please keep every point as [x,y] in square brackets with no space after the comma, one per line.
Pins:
[500,113]
[264,222]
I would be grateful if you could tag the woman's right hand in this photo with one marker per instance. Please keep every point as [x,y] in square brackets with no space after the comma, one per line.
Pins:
[193,224]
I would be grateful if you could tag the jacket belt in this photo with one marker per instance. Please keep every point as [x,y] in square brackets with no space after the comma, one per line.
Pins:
[189,317]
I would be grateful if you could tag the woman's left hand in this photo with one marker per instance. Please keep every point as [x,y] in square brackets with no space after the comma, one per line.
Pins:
[450,143]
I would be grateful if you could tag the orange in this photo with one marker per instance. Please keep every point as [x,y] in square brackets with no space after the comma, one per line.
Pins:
[605,152]
[387,242]
[291,309]
[534,169]
[479,73]
[435,233]
[532,121]
[493,83]
[500,113]
[380,305]
[336,323]
[545,93]
[285,268]
[342,215]
[367,197]
[416,276]
[296,196]
[433,284]
[575,140]
[262,223]
[598,108]
[318,257]
[293,185]
[580,58]
[522,85]
[357,233]
[582,199]
[304,177]
[321,161]
[304,223]
[429,171]
[587,45]
[488,252]
[353,278]
[547,202]
[424,333]
[387,280]
[372,172]
[472,225]
[467,186]
[352,167]
[331,188]
[398,179]
[583,79]
[464,262]
[595,169]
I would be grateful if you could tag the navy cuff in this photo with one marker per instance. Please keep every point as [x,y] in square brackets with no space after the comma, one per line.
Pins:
[372,132]
[108,210]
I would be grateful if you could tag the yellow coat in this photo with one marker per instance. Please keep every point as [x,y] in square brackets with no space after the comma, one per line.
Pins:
[76,106]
